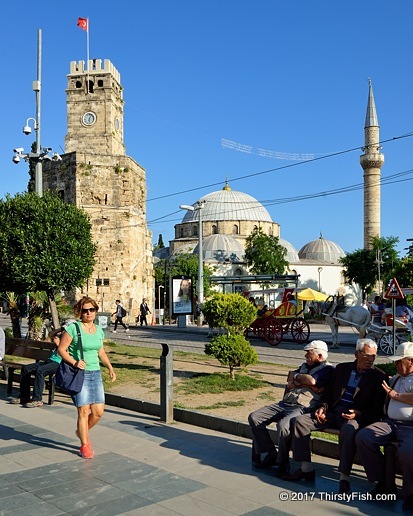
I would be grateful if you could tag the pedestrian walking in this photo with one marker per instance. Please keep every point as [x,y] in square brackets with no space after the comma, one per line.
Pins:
[120,313]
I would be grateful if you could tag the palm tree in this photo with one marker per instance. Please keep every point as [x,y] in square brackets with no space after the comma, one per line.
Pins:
[12,301]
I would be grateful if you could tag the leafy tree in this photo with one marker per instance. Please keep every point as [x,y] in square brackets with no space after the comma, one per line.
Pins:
[234,313]
[46,246]
[232,351]
[361,266]
[264,254]
[404,272]
[160,244]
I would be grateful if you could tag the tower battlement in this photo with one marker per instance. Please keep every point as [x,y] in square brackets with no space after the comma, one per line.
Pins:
[94,66]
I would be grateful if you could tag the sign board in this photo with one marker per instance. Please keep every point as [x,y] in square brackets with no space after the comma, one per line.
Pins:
[394,291]
[181,295]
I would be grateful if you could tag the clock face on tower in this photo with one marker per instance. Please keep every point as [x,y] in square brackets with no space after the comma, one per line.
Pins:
[89,118]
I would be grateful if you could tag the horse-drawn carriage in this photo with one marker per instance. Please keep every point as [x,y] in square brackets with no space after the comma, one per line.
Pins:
[358,317]
[274,323]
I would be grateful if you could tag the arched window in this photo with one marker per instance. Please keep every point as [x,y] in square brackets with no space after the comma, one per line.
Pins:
[214,229]
[238,272]
[270,231]
[235,230]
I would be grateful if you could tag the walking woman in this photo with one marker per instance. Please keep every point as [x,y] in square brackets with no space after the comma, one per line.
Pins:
[90,401]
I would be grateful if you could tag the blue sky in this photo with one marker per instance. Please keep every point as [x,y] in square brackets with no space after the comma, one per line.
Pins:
[203,79]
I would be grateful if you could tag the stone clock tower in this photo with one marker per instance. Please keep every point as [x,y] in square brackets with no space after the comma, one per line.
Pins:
[95,109]
[96,174]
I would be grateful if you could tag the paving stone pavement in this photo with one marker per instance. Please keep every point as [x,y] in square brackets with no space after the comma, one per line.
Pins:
[143,466]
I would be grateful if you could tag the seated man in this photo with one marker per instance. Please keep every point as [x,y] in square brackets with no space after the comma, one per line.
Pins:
[304,387]
[397,425]
[352,400]
[40,370]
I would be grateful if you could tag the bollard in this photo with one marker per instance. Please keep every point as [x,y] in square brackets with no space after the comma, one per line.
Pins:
[167,384]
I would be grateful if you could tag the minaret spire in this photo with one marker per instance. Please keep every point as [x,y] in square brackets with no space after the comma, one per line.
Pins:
[371,161]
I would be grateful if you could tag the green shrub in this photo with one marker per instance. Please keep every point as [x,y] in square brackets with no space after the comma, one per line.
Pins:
[389,369]
[232,351]
[230,311]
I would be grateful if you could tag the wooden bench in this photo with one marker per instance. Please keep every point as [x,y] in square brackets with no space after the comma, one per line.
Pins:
[36,350]
[392,465]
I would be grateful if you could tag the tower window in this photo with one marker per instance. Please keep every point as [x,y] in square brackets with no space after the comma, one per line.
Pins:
[214,229]
[78,84]
[91,86]
[100,83]
[195,231]
[106,198]
[235,230]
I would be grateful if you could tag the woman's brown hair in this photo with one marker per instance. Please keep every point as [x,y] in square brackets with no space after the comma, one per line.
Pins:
[77,309]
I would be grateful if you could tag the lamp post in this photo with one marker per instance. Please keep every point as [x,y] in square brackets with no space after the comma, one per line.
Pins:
[198,206]
[320,270]
[379,263]
[159,303]
[40,154]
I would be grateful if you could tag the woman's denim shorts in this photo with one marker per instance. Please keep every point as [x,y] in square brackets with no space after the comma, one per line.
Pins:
[92,391]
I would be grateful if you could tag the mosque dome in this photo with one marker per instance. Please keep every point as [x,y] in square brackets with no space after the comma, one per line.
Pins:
[292,253]
[227,204]
[221,248]
[321,250]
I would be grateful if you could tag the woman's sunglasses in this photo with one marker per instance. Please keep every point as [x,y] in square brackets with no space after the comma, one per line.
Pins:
[87,310]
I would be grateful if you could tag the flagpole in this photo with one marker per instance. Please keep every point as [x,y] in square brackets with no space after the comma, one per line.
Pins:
[87,55]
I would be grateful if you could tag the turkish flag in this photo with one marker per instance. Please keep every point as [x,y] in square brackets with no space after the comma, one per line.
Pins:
[82,23]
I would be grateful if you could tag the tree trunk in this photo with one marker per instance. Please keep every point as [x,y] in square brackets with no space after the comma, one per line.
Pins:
[231,372]
[15,322]
[53,311]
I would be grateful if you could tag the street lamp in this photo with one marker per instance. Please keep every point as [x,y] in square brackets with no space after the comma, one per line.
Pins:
[40,154]
[198,206]
[320,270]
[159,302]
[379,263]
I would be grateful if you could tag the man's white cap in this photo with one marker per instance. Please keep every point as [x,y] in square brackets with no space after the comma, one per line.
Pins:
[405,350]
[319,345]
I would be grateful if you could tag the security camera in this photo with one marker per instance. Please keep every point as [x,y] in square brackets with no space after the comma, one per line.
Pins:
[18,150]
[27,129]
[56,157]
[16,159]
[47,149]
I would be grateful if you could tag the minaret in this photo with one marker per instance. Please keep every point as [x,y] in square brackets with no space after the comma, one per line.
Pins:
[371,161]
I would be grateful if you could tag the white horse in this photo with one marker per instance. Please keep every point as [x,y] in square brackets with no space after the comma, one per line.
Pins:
[356,316]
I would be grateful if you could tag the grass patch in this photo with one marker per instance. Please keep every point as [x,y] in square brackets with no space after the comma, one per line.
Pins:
[217,383]
[268,395]
[220,404]
[326,436]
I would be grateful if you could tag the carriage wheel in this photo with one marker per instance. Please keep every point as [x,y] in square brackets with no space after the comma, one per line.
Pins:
[386,343]
[273,332]
[300,330]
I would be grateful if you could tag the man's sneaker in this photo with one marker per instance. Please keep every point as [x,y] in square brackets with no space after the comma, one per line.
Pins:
[86,451]
[113,331]
[33,404]
[15,401]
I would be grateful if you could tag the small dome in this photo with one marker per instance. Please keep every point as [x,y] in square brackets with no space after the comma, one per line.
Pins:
[227,204]
[221,248]
[321,250]
[292,253]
